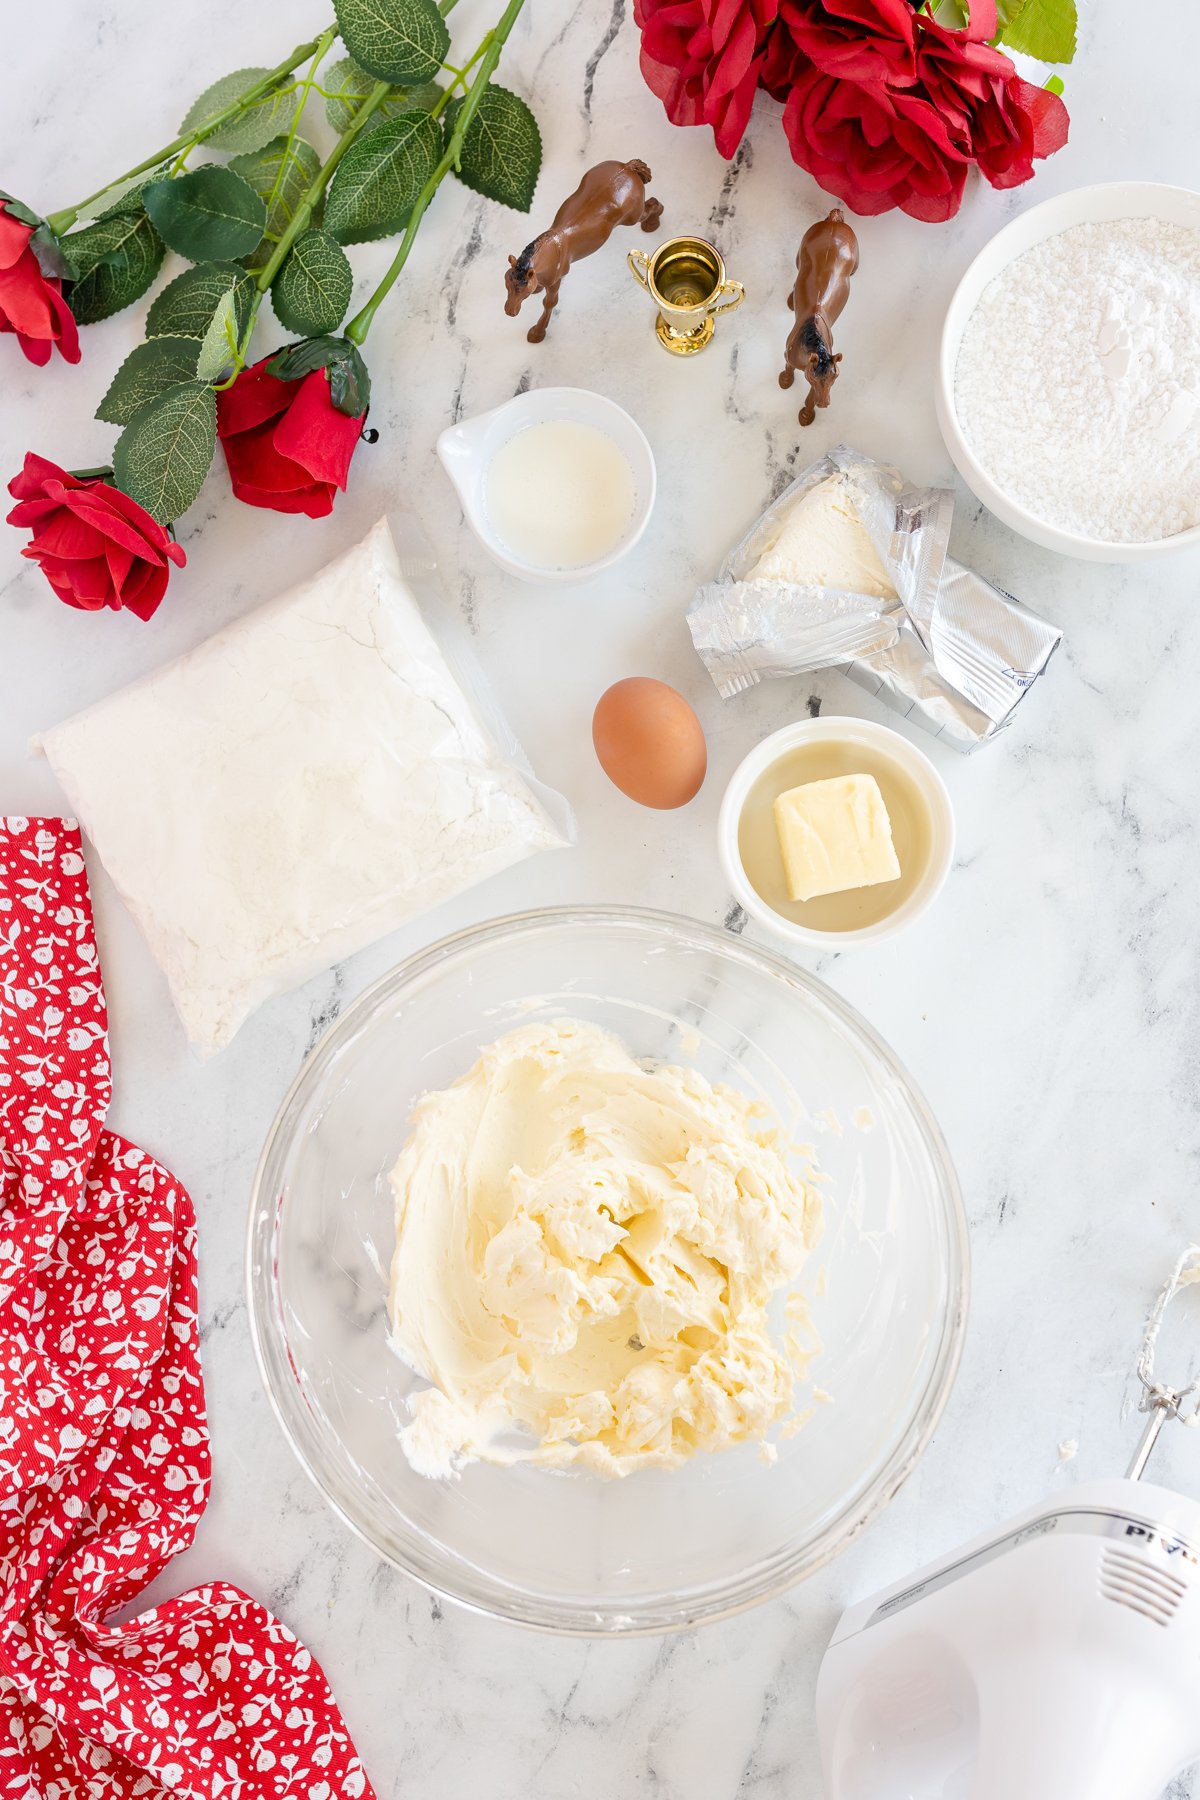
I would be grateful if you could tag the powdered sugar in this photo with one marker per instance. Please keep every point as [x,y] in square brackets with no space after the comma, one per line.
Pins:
[1078,379]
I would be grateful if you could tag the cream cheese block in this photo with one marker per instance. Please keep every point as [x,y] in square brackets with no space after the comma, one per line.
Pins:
[824,544]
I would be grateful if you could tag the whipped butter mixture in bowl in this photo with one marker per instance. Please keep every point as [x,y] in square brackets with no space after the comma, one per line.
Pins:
[587,1248]
[606,1272]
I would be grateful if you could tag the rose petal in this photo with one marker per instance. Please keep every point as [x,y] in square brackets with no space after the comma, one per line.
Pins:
[857,40]
[730,129]
[142,596]
[14,238]
[24,299]
[702,58]
[316,502]
[981,19]
[253,459]
[92,505]
[65,591]
[88,580]
[64,534]
[1046,113]
[120,562]
[68,331]
[254,397]
[737,55]
[147,527]
[314,434]
[37,350]
[34,471]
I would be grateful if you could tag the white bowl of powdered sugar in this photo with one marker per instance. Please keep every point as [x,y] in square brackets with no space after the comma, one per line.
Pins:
[1069,377]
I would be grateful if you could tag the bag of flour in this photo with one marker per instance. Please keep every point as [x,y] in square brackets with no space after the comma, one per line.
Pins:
[299,785]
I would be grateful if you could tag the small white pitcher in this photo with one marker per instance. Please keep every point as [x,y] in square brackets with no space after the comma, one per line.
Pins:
[467,448]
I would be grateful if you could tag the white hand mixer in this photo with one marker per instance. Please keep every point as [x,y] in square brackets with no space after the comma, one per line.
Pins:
[1056,1658]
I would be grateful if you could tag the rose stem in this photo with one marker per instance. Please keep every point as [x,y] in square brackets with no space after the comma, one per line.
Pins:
[63,221]
[303,213]
[488,55]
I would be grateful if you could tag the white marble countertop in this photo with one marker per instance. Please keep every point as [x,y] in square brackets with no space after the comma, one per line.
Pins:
[1049,1008]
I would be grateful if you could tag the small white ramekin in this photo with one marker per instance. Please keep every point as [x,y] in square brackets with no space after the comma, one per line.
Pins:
[1081,206]
[467,448]
[884,742]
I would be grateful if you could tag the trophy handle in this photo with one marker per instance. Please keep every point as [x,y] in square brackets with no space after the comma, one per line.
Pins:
[733,289]
[639,264]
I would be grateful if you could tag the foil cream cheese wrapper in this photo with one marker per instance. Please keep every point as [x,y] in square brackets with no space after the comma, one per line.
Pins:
[951,651]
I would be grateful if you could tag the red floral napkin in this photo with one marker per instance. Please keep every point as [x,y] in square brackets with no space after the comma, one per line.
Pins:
[104,1456]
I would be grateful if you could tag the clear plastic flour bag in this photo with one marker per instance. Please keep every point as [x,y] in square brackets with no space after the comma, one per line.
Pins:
[321,771]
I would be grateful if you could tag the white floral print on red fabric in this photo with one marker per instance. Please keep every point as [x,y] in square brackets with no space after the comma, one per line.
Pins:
[104,1454]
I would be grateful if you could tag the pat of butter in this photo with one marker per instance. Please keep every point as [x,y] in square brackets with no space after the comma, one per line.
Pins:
[835,835]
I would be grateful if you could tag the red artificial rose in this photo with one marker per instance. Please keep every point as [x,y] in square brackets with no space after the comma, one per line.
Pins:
[990,113]
[31,304]
[287,445]
[858,40]
[703,57]
[874,147]
[96,546]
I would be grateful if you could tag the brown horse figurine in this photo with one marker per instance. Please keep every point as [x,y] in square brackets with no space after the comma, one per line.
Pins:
[825,261]
[609,195]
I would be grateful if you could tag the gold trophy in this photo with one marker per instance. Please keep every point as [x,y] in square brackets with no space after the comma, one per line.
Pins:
[685,277]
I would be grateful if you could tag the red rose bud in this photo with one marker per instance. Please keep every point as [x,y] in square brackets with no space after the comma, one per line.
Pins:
[874,147]
[856,40]
[288,446]
[703,59]
[31,303]
[95,545]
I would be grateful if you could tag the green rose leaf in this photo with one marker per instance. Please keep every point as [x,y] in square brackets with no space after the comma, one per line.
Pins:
[218,346]
[295,361]
[402,41]
[148,371]
[17,209]
[311,292]
[347,86]
[280,173]
[379,178]
[161,458]
[256,125]
[186,306]
[117,259]
[208,215]
[51,258]
[350,385]
[349,382]
[125,196]
[501,154]
[1045,29]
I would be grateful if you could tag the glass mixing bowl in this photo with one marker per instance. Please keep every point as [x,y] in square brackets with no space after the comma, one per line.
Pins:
[661,1549]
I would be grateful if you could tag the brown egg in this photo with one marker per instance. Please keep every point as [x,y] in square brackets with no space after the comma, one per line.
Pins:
[650,742]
